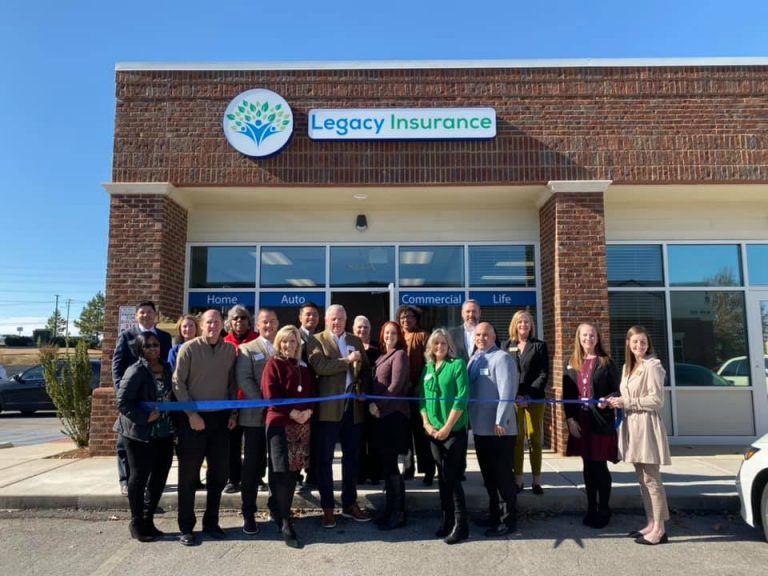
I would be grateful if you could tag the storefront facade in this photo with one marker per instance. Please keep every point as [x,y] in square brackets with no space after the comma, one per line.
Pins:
[618,193]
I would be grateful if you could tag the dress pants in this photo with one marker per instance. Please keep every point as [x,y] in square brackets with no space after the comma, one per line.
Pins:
[235,455]
[536,414]
[652,491]
[211,444]
[149,465]
[328,434]
[495,455]
[450,456]
[421,453]
[255,444]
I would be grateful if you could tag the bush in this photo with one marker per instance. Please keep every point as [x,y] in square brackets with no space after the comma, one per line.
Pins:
[18,341]
[68,383]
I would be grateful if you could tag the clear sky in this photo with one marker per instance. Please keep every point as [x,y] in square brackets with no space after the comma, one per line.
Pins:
[57,89]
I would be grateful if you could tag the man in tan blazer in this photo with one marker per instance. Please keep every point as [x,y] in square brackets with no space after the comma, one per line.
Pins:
[340,364]
[249,368]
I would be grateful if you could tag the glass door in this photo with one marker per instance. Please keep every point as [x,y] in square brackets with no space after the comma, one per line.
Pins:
[758,325]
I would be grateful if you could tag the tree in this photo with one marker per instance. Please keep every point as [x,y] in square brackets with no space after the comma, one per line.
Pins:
[91,322]
[56,324]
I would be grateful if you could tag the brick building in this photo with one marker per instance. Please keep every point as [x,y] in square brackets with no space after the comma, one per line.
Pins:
[619,192]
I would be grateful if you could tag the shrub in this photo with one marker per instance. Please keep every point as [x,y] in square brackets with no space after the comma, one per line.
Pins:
[68,383]
[11,340]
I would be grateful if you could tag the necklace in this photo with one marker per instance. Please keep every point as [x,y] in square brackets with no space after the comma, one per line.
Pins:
[299,388]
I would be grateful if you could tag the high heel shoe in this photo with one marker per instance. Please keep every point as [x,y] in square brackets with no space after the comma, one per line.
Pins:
[663,540]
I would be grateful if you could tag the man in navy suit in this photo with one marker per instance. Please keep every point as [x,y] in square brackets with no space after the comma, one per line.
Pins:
[125,355]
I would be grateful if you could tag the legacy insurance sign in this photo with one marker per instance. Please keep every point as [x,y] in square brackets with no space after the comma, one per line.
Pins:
[402,124]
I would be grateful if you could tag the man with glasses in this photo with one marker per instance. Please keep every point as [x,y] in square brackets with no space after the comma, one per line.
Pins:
[239,331]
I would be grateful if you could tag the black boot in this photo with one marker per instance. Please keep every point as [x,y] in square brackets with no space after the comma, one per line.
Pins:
[460,530]
[138,531]
[446,507]
[151,529]
[397,517]
[383,519]
[289,535]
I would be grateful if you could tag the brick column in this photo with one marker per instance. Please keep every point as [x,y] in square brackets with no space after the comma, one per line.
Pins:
[574,280]
[147,249]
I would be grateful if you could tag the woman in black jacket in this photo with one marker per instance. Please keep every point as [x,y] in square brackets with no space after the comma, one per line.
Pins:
[148,436]
[533,370]
[592,375]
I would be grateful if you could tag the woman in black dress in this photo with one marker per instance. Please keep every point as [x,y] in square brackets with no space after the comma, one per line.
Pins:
[592,375]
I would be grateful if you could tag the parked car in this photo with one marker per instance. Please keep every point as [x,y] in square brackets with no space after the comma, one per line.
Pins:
[695,375]
[752,484]
[737,370]
[26,392]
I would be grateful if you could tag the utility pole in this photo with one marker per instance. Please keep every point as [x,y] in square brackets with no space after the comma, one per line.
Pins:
[66,334]
[56,318]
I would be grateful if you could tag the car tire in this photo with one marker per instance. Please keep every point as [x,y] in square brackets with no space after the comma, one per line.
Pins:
[764,511]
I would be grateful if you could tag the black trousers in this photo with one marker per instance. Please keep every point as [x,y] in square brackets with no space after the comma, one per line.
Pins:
[211,444]
[597,483]
[496,456]
[255,444]
[450,456]
[421,443]
[235,455]
[392,434]
[149,464]
[370,462]
[328,434]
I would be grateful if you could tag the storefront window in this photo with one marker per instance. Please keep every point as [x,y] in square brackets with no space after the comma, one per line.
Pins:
[501,266]
[645,308]
[362,266]
[757,260]
[223,267]
[709,331]
[292,266]
[635,265]
[431,266]
[704,265]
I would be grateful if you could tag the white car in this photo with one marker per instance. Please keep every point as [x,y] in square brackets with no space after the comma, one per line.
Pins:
[752,484]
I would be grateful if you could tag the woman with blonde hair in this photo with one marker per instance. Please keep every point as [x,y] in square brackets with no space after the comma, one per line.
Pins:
[286,376]
[591,376]
[443,406]
[186,329]
[533,371]
[643,436]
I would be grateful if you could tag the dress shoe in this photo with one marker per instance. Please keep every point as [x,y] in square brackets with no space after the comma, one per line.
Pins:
[231,488]
[215,532]
[537,489]
[329,518]
[139,532]
[460,532]
[635,534]
[663,540]
[289,535]
[250,526]
[354,512]
[188,539]
[500,530]
[151,529]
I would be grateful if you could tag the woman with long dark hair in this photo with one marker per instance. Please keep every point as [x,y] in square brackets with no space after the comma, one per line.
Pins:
[592,376]
[393,430]
[147,435]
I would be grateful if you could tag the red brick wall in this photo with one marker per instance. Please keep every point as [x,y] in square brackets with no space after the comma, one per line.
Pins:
[574,286]
[629,125]
[147,249]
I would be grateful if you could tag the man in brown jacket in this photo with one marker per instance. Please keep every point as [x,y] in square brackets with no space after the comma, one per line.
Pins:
[340,365]
[204,371]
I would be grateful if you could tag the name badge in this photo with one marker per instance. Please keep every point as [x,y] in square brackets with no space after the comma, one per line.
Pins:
[484,372]
[257,357]
[428,377]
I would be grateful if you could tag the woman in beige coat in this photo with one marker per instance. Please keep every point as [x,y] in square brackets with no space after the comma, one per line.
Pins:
[643,436]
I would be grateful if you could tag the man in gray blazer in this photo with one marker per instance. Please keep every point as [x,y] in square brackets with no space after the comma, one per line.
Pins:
[464,335]
[249,368]
[493,382]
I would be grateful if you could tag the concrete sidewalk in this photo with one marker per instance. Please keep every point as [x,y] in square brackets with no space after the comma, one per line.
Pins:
[700,479]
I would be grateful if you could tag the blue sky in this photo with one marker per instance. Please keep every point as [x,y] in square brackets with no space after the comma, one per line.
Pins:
[57,89]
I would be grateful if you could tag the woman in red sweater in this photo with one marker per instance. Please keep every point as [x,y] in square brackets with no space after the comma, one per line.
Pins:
[287,377]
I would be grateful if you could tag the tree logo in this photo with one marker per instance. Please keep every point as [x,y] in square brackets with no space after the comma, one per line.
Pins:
[258,122]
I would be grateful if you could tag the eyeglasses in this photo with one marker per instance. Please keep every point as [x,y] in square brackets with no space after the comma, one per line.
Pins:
[240,318]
